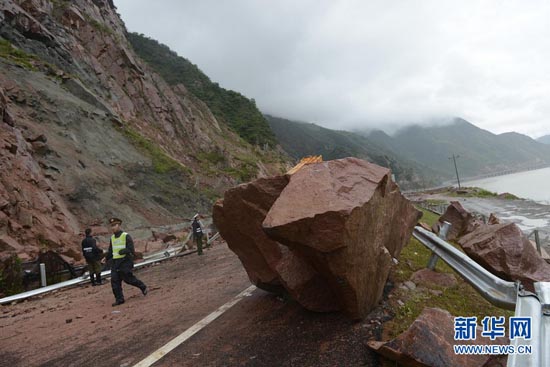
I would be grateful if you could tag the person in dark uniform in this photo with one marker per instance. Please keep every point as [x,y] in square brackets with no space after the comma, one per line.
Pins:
[197,233]
[93,255]
[121,251]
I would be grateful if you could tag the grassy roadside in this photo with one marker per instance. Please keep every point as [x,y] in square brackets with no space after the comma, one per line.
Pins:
[475,192]
[21,58]
[459,300]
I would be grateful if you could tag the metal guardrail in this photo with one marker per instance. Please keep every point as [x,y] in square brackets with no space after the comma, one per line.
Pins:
[157,257]
[504,294]
[541,237]
[543,291]
[537,307]
[495,290]
[68,283]
[161,255]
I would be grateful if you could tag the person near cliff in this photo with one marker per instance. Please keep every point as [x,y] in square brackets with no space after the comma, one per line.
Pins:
[197,233]
[121,251]
[93,255]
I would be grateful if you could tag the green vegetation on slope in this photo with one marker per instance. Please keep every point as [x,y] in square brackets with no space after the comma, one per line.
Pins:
[168,182]
[7,51]
[476,192]
[214,162]
[459,300]
[162,163]
[11,281]
[237,111]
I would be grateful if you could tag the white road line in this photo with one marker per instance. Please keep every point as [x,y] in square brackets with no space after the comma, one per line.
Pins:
[172,344]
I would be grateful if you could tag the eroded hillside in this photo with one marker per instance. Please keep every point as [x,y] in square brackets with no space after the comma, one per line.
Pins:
[89,130]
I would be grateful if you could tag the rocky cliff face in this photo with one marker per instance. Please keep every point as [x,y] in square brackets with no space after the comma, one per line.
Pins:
[87,131]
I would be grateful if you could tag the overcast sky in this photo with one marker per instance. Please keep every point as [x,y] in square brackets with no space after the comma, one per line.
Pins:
[377,64]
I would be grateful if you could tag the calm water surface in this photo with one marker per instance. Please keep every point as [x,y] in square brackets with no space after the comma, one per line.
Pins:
[534,185]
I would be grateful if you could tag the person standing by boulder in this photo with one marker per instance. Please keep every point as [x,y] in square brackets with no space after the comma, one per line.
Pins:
[121,251]
[93,255]
[197,233]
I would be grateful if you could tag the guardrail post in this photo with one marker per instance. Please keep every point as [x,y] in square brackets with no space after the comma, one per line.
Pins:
[432,262]
[537,240]
[43,274]
[443,235]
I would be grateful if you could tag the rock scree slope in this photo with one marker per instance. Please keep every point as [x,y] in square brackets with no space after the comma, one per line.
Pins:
[88,130]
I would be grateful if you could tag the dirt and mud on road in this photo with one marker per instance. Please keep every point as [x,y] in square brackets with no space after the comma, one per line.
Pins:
[78,326]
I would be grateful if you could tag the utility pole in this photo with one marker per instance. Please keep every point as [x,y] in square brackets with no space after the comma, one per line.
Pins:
[456,169]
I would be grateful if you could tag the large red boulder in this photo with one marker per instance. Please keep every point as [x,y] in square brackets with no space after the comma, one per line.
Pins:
[505,251]
[239,217]
[269,265]
[347,218]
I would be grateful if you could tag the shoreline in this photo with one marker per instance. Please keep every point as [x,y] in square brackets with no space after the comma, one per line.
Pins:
[526,213]
[514,183]
[499,174]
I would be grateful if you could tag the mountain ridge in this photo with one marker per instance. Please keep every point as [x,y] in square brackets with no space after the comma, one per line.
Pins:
[481,151]
[426,149]
[301,139]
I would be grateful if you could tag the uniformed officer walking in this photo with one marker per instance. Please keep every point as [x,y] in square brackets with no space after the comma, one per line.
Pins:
[121,250]
[93,255]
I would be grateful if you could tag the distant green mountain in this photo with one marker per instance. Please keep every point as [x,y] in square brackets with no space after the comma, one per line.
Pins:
[417,155]
[232,108]
[544,139]
[480,151]
[300,139]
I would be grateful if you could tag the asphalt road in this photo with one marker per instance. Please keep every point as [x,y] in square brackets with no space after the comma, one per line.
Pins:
[263,330]
[78,326]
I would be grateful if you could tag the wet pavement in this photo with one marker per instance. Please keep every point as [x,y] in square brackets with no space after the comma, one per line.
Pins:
[78,327]
[265,330]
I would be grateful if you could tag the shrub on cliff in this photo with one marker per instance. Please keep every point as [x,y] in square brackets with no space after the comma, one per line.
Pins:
[11,281]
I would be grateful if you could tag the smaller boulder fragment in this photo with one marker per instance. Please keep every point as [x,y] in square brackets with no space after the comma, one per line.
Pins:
[505,251]
[429,342]
[462,221]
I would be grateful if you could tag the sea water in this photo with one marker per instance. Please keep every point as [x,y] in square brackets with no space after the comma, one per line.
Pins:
[534,185]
